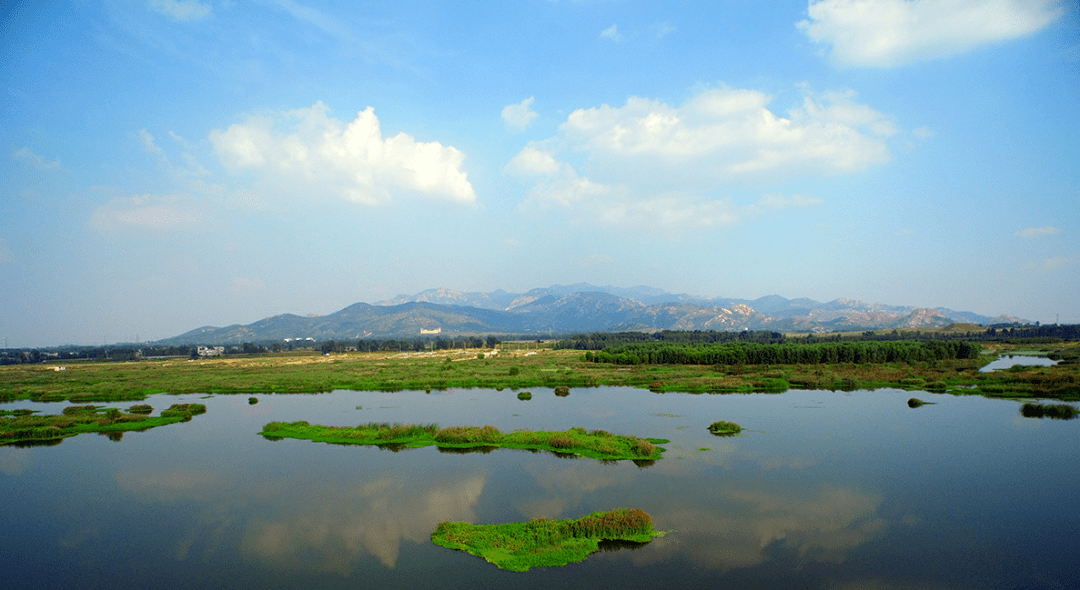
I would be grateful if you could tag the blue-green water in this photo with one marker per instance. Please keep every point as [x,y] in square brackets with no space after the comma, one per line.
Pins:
[824,490]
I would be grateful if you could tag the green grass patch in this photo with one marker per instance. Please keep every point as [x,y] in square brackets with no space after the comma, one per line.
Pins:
[1056,411]
[595,444]
[29,430]
[724,428]
[540,542]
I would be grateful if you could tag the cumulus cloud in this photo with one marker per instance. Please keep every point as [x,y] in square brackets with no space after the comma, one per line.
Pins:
[518,116]
[648,162]
[181,10]
[308,148]
[887,33]
[732,132]
[611,34]
[531,160]
[1038,232]
[27,157]
[145,212]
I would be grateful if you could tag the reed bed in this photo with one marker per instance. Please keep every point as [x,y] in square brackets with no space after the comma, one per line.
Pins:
[545,543]
[596,444]
[23,429]
[95,382]
[725,428]
[1055,411]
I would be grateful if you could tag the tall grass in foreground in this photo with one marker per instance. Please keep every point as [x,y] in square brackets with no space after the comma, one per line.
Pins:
[545,543]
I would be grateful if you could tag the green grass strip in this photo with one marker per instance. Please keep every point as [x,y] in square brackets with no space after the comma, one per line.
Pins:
[29,429]
[540,542]
[595,444]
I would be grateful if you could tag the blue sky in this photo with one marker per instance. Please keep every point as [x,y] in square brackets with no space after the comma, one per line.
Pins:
[173,164]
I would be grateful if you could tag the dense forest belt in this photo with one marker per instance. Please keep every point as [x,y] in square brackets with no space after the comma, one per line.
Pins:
[26,427]
[595,444]
[518,546]
[755,353]
[86,382]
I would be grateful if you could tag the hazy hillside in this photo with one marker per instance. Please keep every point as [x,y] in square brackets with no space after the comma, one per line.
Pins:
[562,309]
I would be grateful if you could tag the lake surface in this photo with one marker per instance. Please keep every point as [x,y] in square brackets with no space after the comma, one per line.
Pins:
[825,490]
[1005,361]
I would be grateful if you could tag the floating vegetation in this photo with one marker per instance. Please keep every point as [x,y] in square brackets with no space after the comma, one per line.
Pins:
[525,395]
[1055,411]
[724,428]
[916,402]
[595,444]
[253,400]
[562,391]
[541,542]
[28,429]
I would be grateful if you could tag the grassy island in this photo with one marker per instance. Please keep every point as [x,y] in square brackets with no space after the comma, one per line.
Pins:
[541,542]
[596,444]
[724,428]
[24,427]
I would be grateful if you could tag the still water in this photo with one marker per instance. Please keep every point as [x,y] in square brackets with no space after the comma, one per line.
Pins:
[825,490]
[1017,360]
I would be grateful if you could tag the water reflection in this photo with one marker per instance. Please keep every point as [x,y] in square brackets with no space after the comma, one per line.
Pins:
[742,526]
[861,493]
[332,529]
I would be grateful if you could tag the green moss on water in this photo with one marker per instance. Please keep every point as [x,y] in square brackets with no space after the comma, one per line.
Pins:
[595,444]
[29,429]
[545,543]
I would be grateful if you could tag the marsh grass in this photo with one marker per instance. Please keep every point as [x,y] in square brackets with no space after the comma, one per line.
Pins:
[541,542]
[724,428]
[1055,411]
[596,444]
[96,382]
[24,429]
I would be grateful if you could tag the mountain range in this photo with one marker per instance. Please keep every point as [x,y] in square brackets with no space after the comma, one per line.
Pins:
[578,308]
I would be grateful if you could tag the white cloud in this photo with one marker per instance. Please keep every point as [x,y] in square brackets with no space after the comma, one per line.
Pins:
[308,149]
[29,158]
[532,161]
[664,29]
[518,116]
[1038,232]
[148,144]
[145,212]
[731,132]
[923,132]
[887,33]
[648,163]
[181,10]
[611,34]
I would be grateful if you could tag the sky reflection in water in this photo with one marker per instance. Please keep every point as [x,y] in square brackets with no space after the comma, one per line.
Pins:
[824,488]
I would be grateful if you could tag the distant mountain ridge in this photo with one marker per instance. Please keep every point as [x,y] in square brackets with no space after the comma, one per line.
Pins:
[563,309]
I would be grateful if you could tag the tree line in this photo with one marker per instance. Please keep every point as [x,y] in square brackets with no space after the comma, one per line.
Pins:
[754,353]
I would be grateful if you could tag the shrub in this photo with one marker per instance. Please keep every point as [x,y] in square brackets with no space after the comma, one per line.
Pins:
[141,409]
[724,427]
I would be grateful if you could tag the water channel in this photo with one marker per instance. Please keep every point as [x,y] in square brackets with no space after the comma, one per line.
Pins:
[824,490]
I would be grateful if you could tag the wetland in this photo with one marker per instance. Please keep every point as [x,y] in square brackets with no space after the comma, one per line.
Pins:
[844,488]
